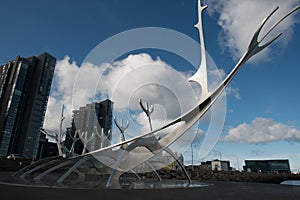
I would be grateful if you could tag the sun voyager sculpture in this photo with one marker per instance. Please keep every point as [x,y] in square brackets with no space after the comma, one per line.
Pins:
[116,159]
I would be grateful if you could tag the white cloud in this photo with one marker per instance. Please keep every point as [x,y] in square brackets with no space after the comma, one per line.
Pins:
[262,130]
[61,93]
[240,19]
[140,76]
[152,80]
[124,82]
[234,92]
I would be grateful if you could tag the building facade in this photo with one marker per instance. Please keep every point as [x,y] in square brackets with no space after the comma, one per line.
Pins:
[216,165]
[220,165]
[268,166]
[93,120]
[25,85]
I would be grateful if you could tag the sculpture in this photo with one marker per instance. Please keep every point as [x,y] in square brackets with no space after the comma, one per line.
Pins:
[121,127]
[157,142]
[58,137]
[128,154]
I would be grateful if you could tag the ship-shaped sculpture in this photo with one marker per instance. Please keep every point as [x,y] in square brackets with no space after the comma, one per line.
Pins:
[128,154]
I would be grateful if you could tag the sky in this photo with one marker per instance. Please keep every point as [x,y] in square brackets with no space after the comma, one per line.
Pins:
[262,102]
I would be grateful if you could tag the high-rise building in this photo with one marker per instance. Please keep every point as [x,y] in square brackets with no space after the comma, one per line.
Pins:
[93,120]
[24,90]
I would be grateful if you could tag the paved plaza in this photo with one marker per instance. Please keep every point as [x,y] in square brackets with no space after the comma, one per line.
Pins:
[218,190]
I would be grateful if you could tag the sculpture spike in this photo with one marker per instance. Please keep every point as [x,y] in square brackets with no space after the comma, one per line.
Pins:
[254,47]
[147,110]
[200,76]
[280,20]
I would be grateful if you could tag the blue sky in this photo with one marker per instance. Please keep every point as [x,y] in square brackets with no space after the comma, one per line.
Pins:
[265,92]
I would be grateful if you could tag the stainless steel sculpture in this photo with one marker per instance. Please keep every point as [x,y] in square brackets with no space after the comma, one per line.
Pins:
[58,137]
[148,110]
[200,76]
[128,154]
[155,141]
[122,128]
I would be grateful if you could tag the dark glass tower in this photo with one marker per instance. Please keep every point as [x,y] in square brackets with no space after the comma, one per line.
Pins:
[24,90]
[92,118]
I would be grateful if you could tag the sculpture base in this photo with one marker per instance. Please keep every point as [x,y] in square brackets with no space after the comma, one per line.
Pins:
[218,190]
[164,184]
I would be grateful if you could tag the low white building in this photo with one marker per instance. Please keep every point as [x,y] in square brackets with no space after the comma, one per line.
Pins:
[220,165]
[216,165]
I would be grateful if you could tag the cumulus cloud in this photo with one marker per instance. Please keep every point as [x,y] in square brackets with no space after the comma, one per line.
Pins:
[234,92]
[140,76]
[240,19]
[62,91]
[124,82]
[262,130]
[61,94]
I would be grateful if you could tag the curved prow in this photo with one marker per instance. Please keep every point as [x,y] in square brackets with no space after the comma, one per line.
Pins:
[253,48]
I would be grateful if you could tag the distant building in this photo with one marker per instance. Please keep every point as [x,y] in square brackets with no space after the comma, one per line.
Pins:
[216,165]
[268,166]
[220,165]
[46,148]
[91,119]
[24,90]
[205,165]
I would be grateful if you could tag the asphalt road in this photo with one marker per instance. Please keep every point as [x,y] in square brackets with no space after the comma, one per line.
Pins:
[218,190]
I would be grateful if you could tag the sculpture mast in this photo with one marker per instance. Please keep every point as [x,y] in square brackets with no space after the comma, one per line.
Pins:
[200,76]
[59,141]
